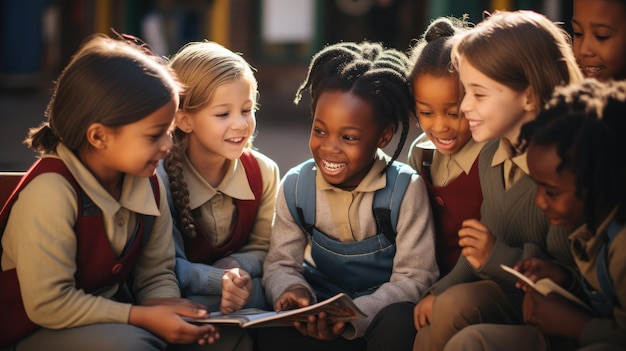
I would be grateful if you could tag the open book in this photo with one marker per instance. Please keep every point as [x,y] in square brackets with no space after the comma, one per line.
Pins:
[545,286]
[339,308]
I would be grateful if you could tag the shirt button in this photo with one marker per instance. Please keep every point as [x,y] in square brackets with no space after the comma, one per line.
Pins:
[117,268]
[121,222]
[439,201]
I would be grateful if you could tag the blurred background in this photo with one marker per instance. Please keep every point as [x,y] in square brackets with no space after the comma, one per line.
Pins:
[277,37]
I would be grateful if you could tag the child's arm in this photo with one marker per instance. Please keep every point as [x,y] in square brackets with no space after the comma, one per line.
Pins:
[40,240]
[283,265]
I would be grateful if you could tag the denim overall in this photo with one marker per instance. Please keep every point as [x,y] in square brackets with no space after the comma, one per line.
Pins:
[355,268]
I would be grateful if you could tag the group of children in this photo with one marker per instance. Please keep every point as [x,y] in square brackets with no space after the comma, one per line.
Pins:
[149,204]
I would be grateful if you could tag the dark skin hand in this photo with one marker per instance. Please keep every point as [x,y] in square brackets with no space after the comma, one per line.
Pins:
[552,314]
[316,326]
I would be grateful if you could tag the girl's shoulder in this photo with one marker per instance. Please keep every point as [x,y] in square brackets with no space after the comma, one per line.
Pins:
[265,162]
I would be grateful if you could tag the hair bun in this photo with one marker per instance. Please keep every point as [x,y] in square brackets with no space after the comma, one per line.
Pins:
[441,27]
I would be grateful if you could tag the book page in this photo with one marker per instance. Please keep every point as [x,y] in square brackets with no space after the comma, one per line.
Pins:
[545,286]
[339,308]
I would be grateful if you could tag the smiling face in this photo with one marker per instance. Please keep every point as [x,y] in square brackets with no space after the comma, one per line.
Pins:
[599,28]
[221,129]
[135,148]
[493,110]
[556,191]
[437,105]
[345,137]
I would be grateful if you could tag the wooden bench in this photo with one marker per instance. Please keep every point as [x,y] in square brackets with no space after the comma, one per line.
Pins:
[8,182]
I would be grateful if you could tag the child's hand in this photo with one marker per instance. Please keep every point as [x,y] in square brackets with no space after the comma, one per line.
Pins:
[165,321]
[535,269]
[476,242]
[236,290]
[423,311]
[554,315]
[295,297]
[319,328]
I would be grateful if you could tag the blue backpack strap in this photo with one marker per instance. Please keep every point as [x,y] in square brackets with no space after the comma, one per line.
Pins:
[602,262]
[387,201]
[299,188]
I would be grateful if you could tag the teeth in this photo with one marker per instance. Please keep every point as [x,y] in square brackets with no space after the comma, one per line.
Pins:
[332,166]
[236,140]
[592,69]
[474,123]
[445,141]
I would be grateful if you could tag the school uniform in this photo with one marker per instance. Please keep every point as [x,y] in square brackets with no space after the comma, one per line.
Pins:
[214,211]
[454,190]
[346,216]
[598,334]
[468,296]
[40,242]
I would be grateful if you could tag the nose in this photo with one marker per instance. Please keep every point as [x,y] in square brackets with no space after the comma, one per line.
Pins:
[167,143]
[240,122]
[466,103]
[440,124]
[584,44]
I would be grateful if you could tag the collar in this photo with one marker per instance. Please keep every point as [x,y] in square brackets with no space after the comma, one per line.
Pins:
[505,152]
[465,157]
[373,180]
[136,195]
[584,243]
[235,184]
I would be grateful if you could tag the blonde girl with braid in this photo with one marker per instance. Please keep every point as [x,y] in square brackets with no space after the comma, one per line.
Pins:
[221,191]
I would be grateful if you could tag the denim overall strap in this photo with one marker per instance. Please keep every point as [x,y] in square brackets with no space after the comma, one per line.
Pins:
[604,300]
[355,268]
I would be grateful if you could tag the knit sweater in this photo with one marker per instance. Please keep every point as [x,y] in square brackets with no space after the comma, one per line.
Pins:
[520,228]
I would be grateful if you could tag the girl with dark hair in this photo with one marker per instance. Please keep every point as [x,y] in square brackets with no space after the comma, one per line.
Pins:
[332,233]
[87,256]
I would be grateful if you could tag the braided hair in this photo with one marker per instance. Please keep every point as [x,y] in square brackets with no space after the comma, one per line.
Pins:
[202,67]
[369,71]
[585,122]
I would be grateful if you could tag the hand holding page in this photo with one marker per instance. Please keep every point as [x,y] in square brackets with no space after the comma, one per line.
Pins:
[339,308]
[545,286]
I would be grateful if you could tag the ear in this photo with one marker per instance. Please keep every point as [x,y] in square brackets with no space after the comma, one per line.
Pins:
[530,103]
[183,121]
[96,135]
[385,136]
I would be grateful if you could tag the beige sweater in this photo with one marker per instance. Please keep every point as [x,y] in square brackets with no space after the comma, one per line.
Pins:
[39,241]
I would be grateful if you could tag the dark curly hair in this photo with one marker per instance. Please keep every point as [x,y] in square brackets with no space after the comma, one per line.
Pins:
[586,124]
[369,71]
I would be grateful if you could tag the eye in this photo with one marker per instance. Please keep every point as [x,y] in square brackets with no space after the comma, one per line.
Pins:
[318,131]
[222,115]
[453,114]
[246,111]
[425,113]
[577,34]
[602,37]
[350,138]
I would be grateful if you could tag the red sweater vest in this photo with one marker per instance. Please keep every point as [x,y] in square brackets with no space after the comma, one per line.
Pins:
[452,204]
[200,249]
[95,268]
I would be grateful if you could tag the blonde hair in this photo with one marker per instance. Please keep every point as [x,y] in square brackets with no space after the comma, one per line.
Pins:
[520,49]
[201,67]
